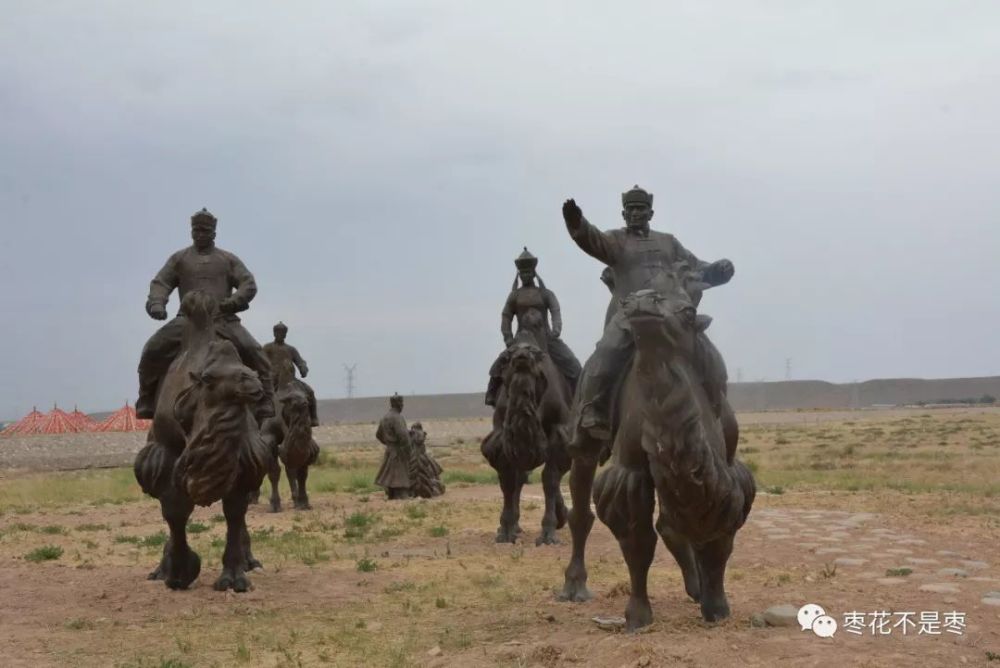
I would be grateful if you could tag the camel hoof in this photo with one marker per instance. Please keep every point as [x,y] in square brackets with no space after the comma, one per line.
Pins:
[638,614]
[182,575]
[715,612]
[575,592]
[241,583]
[547,538]
[505,536]
[238,582]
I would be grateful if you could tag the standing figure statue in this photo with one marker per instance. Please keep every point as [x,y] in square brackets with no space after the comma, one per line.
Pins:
[533,306]
[223,277]
[284,360]
[394,474]
[653,399]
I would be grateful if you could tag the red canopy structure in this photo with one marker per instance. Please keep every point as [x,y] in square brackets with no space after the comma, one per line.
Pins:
[124,419]
[82,420]
[56,421]
[25,425]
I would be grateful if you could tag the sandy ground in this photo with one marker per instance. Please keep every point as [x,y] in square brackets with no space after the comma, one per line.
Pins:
[424,584]
[100,611]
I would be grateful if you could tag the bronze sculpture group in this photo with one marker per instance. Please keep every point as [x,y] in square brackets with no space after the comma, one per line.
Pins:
[650,403]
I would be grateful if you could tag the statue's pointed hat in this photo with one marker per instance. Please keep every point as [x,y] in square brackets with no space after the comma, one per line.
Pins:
[525,260]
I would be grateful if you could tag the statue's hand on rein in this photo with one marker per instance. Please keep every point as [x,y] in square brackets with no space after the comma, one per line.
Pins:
[228,306]
[156,311]
[720,272]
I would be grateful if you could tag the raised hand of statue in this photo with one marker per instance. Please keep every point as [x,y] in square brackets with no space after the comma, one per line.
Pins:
[556,332]
[721,271]
[156,311]
[572,214]
[508,340]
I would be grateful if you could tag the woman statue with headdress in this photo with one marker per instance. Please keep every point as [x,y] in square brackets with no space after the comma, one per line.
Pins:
[533,306]
[425,473]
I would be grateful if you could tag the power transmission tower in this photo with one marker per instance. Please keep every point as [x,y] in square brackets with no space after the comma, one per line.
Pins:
[350,379]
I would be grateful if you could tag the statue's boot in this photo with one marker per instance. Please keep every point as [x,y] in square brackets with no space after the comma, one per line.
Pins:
[145,407]
[592,429]
[311,397]
[145,403]
[492,390]
[595,406]
[265,406]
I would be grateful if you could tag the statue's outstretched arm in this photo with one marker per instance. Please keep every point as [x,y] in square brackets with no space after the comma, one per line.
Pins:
[591,240]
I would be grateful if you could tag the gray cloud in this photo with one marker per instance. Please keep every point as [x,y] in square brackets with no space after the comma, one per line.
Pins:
[378,166]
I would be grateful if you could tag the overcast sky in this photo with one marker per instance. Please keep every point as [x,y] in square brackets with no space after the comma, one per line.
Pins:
[378,166]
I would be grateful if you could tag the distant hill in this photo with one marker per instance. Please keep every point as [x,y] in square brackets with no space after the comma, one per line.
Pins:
[891,391]
[783,395]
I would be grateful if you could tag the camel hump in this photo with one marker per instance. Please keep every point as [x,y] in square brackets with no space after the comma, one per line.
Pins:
[199,307]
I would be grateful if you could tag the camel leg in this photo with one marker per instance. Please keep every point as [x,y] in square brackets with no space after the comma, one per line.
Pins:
[274,475]
[551,475]
[679,546]
[302,502]
[293,484]
[638,546]
[581,519]
[712,558]
[683,554]
[625,497]
[250,562]
[180,565]
[510,515]
[234,507]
